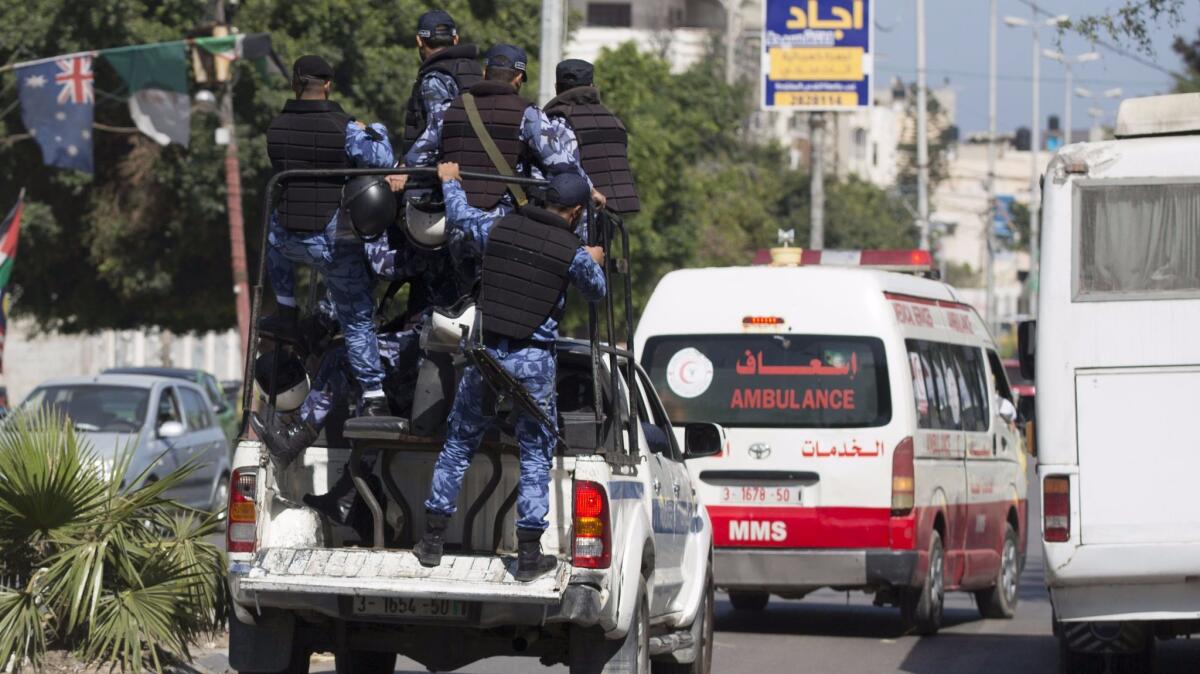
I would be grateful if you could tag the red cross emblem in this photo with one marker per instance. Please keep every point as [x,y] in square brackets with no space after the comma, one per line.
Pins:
[75,77]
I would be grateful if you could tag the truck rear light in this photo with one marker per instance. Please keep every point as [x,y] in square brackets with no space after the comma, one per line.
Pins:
[1056,509]
[593,529]
[242,515]
[903,483]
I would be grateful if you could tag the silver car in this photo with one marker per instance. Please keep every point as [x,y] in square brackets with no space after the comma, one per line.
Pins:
[167,422]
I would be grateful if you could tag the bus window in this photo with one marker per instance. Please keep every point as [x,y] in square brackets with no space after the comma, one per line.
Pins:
[920,391]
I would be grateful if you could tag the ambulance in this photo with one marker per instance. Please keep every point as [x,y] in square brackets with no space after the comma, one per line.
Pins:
[871,440]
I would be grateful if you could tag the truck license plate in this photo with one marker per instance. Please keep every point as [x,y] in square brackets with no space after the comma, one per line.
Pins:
[763,495]
[408,607]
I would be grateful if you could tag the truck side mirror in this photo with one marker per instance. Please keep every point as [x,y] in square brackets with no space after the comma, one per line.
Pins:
[1026,346]
[703,439]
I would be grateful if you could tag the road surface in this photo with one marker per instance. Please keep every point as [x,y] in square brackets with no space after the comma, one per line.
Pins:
[836,633]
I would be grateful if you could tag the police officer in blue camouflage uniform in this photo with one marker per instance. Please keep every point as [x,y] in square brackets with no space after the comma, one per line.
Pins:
[314,132]
[524,346]
[528,142]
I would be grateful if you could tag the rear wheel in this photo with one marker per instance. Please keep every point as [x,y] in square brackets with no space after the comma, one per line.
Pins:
[702,638]
[749,601]
[364,662]
[1000,600]
[921,608]
[590,653]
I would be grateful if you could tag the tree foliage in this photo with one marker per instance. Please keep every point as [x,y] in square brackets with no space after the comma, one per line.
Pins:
[1133,21]
[145,242]
[1188,81]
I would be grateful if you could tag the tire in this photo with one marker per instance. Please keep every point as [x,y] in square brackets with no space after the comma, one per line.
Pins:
[221,502]
[1130,651]
[702,635]
[921,608]
[749,601]
[364,662]
[298,665]
[1000,600]
[590,653]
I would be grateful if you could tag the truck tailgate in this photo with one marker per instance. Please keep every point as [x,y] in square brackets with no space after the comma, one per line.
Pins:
[396,573]
[1138,455]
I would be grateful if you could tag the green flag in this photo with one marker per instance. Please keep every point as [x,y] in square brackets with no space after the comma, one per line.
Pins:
[156,75]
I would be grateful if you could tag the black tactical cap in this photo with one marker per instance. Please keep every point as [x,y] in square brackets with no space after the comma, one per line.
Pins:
[574,73]
[568,189]
[312,66]
[436,23]
[506,56]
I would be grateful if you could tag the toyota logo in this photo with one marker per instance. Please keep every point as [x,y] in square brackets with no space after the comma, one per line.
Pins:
[760,450]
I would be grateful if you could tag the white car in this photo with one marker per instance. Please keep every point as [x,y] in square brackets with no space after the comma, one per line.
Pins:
[633,585]
[166,423]
[872,443]
[1116,357]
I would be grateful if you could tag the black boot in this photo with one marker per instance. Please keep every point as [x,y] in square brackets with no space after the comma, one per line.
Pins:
[286,441]
[376,406]
[328,504]
[282,325]
[531,563]
[429,549]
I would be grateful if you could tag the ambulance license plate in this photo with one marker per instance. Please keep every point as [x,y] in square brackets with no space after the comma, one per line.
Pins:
[407,607]
[761,495]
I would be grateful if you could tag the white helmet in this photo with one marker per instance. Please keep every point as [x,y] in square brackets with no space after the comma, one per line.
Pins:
[443,330]
[291,381]
[425,221]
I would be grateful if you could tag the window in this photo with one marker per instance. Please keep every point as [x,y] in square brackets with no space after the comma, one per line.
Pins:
[99,409]
[609,14]
[1137,241]
[215,395]
[660,438]
[771,381]
[949,386]
[196,409]
[168,409]
[1002,388]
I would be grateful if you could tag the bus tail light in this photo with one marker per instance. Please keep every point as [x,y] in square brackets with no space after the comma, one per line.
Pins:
[242,516]
[593,528]
[1056,509]
[903,483]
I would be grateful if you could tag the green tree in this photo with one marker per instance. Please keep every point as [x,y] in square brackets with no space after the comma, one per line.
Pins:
[145,241]
[1133,21]
[1189,80]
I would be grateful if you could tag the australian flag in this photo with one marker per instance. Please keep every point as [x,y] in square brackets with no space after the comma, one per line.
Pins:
[57,100]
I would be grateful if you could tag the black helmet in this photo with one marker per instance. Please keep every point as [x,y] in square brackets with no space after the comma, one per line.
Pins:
[370,204]
[291,380]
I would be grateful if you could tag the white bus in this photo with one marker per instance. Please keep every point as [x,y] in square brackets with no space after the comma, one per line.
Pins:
[1118,385]
[871,439]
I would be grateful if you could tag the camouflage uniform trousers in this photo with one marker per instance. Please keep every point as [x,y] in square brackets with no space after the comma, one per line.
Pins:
[341,259]
[331,386]
[535,369]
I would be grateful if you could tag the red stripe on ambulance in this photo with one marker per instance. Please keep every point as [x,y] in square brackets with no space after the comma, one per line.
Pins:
[773,527]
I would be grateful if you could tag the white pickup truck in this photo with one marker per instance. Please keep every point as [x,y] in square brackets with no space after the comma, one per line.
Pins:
[633,591]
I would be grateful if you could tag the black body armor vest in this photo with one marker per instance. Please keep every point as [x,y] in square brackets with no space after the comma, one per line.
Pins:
[525,267]
[603,145]
[309,135]
[460,62]
[501,110]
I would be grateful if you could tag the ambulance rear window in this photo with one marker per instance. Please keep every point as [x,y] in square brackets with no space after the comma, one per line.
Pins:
[790,381]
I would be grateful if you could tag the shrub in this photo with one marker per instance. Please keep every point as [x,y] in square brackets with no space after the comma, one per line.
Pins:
[120,576]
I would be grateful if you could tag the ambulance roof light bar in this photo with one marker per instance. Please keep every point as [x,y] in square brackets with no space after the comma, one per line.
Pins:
[912,261]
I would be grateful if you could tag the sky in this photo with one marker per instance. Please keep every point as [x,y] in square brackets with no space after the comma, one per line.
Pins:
[957,52]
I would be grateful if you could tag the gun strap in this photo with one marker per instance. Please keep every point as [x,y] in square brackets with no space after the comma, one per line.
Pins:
[489,146]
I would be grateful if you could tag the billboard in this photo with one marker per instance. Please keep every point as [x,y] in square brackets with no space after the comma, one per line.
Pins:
[817,54]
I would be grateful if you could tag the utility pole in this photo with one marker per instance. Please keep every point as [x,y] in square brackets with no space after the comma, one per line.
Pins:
[552,46]
[233,198]
[990,222]
[733,22]
[1069,63]
[816,136]
[1035,188]
[922,132]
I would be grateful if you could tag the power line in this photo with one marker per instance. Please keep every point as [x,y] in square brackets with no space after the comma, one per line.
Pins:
[1109,46]
[1016,78]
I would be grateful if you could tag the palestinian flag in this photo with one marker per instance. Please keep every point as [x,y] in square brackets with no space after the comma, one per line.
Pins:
[10,230]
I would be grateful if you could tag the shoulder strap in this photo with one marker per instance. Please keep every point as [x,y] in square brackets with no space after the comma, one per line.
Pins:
[489,146]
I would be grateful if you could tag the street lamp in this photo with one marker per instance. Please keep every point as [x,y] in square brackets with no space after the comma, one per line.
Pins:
[1035,196]
[1068,63]
[1096,112]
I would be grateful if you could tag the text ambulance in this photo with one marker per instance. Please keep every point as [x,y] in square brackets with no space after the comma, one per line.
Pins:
[871,439]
